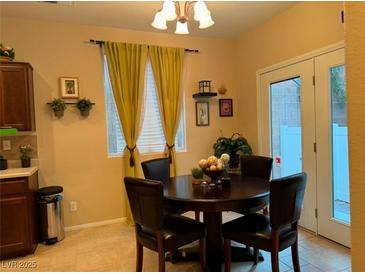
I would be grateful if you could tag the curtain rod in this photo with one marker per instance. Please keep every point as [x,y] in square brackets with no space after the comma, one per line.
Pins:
[101,42]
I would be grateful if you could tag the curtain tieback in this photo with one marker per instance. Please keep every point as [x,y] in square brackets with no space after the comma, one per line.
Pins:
[131,157]
[170,151]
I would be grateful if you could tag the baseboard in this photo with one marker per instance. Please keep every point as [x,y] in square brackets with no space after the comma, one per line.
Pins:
[95,224]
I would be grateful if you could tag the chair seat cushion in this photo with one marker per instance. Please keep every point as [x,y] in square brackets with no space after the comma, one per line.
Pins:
[255,230]
[177,231]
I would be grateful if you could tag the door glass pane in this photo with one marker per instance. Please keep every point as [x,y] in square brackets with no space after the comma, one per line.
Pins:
[286,132]
[340,162]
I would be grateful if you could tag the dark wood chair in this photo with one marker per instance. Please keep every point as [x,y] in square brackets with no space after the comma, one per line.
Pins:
[154,229]
[159,170]
[272,233]
[256,166]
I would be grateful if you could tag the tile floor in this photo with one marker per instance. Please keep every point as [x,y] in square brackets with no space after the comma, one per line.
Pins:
[112,248]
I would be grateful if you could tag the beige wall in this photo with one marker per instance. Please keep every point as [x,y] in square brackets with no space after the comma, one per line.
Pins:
[73,151]
[302,28]
[355,60]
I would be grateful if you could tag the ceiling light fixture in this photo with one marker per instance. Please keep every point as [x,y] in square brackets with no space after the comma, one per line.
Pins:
[171,10]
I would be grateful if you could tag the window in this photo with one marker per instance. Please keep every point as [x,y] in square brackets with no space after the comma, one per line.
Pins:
[151,138]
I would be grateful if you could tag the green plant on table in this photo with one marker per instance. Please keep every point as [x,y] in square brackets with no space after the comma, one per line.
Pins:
[233,146]
[197,173]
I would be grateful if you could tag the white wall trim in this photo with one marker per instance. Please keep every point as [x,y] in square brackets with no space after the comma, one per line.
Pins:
[95,224]
[292,61]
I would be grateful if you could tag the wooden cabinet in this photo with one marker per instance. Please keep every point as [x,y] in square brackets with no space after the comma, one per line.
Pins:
[18,216]
[16,96]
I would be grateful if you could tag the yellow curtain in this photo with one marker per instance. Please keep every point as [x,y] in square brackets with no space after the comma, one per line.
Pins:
[126,65]
[167,66]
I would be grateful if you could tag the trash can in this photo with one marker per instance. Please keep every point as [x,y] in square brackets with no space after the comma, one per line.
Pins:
[50,203]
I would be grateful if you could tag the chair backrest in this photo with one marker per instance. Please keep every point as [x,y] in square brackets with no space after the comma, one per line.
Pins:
[146,202]
[256,166]
[286,199]
[157,169]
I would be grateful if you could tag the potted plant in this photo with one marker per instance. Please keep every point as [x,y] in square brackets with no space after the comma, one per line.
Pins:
[84,105]
[233,146]
[6,53]
[58,106]
[24,157]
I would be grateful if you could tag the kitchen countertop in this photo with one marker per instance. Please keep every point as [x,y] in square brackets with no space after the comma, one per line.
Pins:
[18,172]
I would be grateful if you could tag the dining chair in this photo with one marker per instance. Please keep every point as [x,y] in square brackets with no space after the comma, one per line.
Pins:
[272,233]
[154,229]
[256,166]
[159,170]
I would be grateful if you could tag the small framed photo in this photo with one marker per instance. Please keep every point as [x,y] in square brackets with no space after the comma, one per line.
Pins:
[225,108]
[202,114]
[69,87]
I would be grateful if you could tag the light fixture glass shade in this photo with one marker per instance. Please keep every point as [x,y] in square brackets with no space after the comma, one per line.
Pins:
[206,22]
[159,22]
[181,28]
[200,10]
[168,11]
[202,15]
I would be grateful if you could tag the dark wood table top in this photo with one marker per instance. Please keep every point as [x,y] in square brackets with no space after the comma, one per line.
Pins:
[182,193]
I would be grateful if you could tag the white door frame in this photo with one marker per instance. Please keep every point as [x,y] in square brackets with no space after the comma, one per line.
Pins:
[260,119]
[286,63]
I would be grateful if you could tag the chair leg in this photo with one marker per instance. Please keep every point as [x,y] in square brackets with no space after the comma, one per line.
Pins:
[161,252]
[275,250]
[139,262]
[275,261]
[227,255]
[202,254]
[174,254]
[256,255]
[295,256]
[197,216]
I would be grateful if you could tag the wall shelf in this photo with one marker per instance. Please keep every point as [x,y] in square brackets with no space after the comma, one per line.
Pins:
[204,95]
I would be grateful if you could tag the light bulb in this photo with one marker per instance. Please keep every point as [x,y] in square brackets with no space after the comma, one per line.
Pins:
[159,22]
[206,22]
[168,11]
[181,28]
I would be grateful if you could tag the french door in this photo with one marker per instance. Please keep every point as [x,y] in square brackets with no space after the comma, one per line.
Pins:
[302,114]
[332,154]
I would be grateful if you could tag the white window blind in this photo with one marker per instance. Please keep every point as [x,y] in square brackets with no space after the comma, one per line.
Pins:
[151,138]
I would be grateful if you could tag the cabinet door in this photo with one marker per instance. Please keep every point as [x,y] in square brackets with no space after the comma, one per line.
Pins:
[14,239]
[16,96]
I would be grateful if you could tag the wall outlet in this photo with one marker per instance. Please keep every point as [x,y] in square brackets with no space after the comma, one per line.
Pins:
[73,206]
[6,145]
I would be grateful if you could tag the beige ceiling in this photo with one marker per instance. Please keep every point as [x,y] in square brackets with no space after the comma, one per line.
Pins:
[232,18]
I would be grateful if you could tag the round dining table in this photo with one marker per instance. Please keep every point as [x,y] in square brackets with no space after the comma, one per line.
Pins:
[237,194]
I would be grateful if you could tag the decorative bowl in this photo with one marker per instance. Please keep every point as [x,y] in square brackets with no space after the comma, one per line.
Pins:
[213,174]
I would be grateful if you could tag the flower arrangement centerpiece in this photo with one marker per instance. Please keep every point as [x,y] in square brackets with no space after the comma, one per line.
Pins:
[6,53]
[25,150]
[213,166]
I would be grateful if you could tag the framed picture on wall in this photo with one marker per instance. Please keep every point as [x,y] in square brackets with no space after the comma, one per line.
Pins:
[225,108]
[69,87]
[202,114]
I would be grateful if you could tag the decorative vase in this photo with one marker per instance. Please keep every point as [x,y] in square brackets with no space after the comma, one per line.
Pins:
[59,113]
[85,113]
[5,59]
[25,162]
